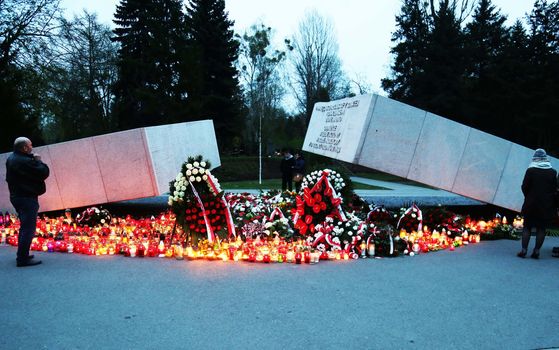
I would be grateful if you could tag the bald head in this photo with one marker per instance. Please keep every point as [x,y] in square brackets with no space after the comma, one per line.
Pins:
[23,144]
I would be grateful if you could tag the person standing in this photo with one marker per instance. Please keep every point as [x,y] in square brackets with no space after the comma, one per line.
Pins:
[26,175]
[286,168]
[539,187]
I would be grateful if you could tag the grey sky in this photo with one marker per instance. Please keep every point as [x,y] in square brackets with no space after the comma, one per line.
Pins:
[363,27]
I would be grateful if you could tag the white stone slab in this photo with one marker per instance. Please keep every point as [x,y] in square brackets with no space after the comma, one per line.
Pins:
[336,128]
[76,173]
[119,166]
[481,166]
[509,194]
[391,137]
[171,145]
[124,164]
[411,143]
[438,152]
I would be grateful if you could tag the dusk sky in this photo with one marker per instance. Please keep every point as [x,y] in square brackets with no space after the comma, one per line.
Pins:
[363,27]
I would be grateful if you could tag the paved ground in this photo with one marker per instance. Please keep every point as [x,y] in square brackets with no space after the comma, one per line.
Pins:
[477,297]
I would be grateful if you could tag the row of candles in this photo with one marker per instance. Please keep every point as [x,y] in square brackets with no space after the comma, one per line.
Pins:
[278,250]
[153,238]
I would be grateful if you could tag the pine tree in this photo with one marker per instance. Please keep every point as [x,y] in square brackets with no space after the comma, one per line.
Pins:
[151,36]
[212,85]
[543,42]
[440,83]
[409,52]
[486,36]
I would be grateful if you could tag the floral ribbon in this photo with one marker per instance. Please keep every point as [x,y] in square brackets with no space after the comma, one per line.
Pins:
[209,229]
[228,217]
[413,208]
[329,191]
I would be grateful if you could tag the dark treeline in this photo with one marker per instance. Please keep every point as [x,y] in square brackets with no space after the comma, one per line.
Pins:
[459,60]
[167,61]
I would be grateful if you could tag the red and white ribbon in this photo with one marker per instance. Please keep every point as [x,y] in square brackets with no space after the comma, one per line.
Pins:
[228,216]
[209,229]
[419,216]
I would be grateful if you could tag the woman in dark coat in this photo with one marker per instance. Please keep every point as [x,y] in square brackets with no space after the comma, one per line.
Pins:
[539,187]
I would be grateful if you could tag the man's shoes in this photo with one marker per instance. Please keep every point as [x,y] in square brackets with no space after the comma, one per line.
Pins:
[535,255]
[30,256]
[28,263]
[521,254]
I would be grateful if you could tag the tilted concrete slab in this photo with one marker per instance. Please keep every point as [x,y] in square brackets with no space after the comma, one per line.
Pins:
[437,131]
[411,143]
[119,166]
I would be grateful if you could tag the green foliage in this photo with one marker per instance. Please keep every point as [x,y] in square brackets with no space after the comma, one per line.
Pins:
[152,39]
[503,80]
[212,84]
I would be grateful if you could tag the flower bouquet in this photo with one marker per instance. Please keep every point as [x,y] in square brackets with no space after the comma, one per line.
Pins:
[197,201]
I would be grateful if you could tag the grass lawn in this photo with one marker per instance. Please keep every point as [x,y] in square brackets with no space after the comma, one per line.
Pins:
[276,184]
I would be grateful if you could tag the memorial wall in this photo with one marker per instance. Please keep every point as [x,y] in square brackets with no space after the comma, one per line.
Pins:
[383,134]
[119,166]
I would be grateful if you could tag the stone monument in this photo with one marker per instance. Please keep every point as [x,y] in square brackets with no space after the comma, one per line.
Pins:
[119,166]
[393,137]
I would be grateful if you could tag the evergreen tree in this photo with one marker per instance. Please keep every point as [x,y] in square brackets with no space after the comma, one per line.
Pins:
[212,85]
[440,83]
[151,36]
[486,37]
[543,125]
[409,52]
[513,74]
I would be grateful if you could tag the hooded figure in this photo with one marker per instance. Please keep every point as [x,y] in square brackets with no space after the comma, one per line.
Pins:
[539,209]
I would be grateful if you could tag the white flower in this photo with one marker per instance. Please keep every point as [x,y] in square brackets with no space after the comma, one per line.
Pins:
[189,166]
[196,164]
[188,173]
[198,179]
[192,179]
[194,171]
[203,164]
[268,225]
[181,194]
[183,188]
[201,171]
[175,193]
[170,202]
[336,240]
[205,177]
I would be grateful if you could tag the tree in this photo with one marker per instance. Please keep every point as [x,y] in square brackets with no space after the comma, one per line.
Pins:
[24,26]
[486,36]
[410,54]
[543,125]
[212,83]
[429,64]
[318,74]
[78,81]
[258,71]
[151,36]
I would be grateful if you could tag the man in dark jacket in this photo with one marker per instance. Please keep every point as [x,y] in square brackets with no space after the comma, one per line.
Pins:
[539,187]
[26,175]
[286,168]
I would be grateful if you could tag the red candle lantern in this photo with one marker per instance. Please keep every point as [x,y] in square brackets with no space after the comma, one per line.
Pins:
[298,258]
[307,257]
[252,256]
